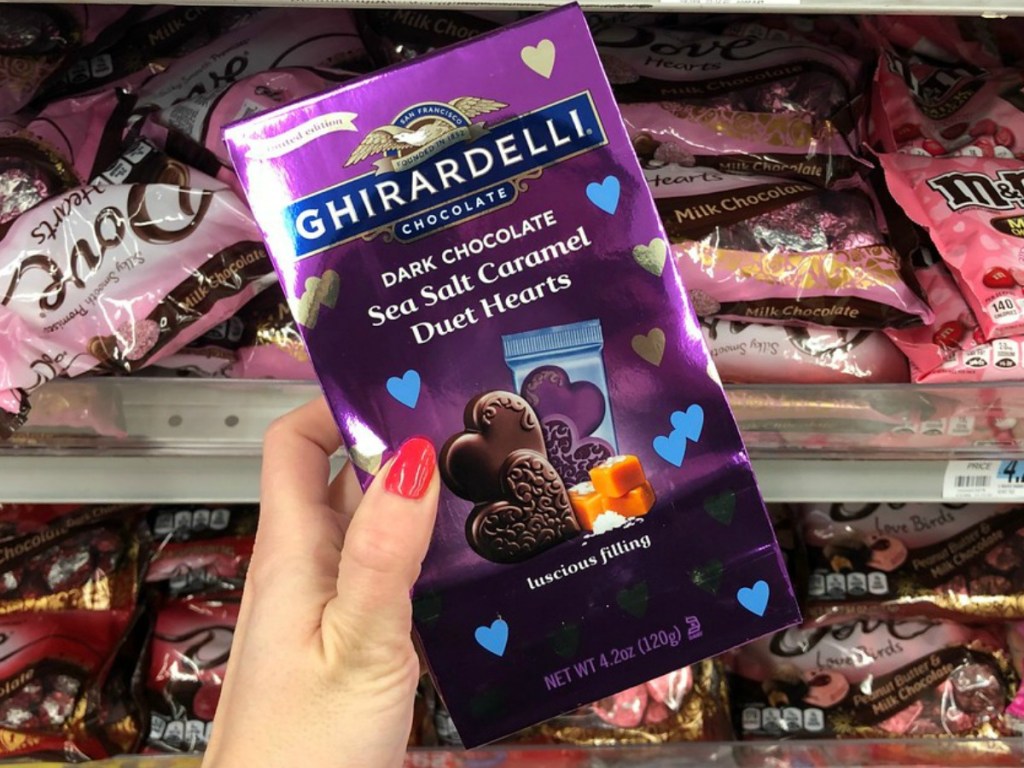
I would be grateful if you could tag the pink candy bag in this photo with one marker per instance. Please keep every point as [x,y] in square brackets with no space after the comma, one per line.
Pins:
[787,144]
[191,129]
[938,111]
[985,43]
[783,251]
[750,353]
[63,146]
[973,208]
[112,276]
[746,73]
[951,349]
[271,39]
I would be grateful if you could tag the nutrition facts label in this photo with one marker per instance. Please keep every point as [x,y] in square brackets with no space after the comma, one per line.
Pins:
[1001,355]
[841,585]
[783,719]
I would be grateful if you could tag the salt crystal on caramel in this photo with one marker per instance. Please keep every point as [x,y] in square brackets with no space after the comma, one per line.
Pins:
[617,476]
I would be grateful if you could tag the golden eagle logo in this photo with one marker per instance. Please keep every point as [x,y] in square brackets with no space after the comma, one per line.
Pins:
[420,133]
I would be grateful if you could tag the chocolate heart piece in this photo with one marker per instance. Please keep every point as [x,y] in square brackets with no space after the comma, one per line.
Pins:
[572,457]
[497,423]
[531,516]
[549,390]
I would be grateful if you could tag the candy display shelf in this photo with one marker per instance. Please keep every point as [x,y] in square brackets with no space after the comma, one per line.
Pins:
[989,8]
[156,439]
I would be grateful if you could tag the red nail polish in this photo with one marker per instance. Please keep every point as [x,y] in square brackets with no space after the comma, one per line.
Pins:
[412,469]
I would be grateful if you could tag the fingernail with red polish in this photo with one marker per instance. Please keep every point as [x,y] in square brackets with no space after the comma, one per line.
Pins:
[412,469]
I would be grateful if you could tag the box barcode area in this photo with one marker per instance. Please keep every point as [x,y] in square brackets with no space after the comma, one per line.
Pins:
[972,481]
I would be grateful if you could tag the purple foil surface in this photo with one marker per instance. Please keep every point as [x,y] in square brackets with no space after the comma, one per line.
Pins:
[403,312]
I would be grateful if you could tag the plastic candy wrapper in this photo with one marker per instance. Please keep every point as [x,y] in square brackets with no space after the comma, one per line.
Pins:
[826,30]
[204,566]
[190,129]
[270,344]
[787,144]
[89,409]
[200,548]
[973,208]
[140,42]
[689,704]
[272,38]
[1015,639]
[65,558]
[935,111]
[961,561]
[751,353]
[199,522]
[53,668]
[261,342]
[875,679]
[393,35]
[755,248]
[744,73]
[36,40]
[188,657]
[64,146]
[977,42]
[473,257]
[120,272]
[951,349]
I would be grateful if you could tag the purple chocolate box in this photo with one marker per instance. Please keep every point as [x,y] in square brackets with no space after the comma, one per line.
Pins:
[471,253]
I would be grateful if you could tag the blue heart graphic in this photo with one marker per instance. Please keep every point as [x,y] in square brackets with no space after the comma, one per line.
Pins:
[605,195]
[495,637]
[690,422]
[406,389]
[755,598]
[672,448]
[686,425]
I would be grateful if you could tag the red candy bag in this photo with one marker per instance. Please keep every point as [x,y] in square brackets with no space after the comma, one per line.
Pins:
[973,208]
[82,558]
[52,669]
[188,658]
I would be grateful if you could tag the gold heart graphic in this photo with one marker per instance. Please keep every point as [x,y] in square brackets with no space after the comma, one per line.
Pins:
[369,463]
[650,347]
[320,292]
[652,256]
[540,58]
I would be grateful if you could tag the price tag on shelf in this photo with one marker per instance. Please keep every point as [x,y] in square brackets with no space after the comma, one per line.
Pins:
[967,480]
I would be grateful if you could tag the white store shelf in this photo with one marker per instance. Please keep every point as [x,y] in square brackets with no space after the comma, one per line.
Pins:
[989,8]
[163,440]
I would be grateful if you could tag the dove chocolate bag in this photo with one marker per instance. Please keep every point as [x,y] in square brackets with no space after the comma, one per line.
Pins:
[471,255]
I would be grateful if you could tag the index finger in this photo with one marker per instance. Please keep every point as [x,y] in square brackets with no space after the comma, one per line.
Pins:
[299,537]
